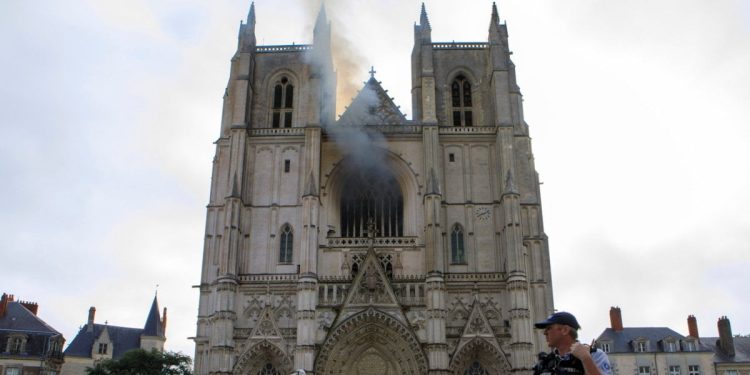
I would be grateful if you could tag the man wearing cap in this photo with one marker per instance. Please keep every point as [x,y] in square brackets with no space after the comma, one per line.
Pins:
[570,356]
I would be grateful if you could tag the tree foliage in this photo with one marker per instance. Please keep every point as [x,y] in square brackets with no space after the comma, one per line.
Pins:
[142,362]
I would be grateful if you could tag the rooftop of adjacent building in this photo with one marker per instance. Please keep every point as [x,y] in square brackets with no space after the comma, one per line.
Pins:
[21,316]
[741,349]
[726,347]
[122,339]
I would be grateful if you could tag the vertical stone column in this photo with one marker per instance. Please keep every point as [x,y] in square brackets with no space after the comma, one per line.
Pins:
[434,255]
[521,345]
[437,347]
[307,300]
[221,321]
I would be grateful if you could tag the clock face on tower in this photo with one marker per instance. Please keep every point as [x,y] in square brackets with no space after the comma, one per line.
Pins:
[483,213]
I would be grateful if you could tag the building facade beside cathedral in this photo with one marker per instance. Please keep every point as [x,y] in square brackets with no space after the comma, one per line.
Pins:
[373,244]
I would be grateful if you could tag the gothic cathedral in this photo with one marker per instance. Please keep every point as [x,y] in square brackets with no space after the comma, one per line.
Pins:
[371,243]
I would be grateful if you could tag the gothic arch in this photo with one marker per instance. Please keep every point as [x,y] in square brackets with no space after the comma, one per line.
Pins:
[398,168]
[258,355]
[371,339]
[476,94]
[269,85]
[492,359]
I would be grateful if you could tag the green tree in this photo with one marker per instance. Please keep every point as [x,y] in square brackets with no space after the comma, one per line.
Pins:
[142,362]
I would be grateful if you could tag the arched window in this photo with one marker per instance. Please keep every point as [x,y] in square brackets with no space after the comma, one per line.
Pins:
[476,369]
[283,99]
[461,101]
[457,245]
[286,243]
[371,194]
[268,369]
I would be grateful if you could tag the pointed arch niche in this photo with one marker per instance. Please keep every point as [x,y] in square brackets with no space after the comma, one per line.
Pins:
[262,358]
[479,357]
[384,189]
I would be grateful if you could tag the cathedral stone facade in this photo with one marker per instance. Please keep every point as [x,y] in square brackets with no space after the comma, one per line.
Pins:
[373,244]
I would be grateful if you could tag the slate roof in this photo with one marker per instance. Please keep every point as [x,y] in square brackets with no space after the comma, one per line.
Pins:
[372,106]
[19,318]
[741,350]
[153,325]
[620,341]
[123,339]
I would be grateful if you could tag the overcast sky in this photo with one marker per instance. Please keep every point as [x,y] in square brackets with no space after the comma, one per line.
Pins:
[639,112]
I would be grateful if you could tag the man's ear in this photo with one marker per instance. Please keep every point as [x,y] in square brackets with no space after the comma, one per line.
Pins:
[565,329]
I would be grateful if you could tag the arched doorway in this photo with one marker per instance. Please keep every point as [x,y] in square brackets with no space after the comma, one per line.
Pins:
[263,358]
[479,357]
[371,342]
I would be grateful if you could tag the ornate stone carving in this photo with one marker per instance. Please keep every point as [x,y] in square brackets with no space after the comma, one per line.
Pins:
[374,337]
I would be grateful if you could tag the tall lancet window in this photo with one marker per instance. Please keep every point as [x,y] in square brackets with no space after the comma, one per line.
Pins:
[371,193]
[286,243]
[461,101]
[283,99]
[457,245]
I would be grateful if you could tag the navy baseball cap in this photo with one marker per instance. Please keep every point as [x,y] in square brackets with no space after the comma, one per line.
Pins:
[561,317]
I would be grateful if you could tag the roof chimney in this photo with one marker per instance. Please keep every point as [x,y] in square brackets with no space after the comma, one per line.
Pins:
[164,323]
[90,324]
[4,303]
[615,317]
[31,306]
[692,326]
[726,342]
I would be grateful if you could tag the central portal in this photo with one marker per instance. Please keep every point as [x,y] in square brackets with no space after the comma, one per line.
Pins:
[371,342]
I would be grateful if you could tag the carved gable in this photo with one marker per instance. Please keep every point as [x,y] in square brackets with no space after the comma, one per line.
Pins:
[371,286]
[372,106]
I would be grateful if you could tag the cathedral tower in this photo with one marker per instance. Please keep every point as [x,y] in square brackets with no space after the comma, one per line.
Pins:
[373,242]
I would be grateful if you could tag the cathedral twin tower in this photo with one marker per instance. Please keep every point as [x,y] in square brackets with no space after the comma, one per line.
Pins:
[373,244]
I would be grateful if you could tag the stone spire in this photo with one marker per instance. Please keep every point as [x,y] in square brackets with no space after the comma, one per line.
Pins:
[423,31]
[247,32]
[251,16]
[496,35]
[423,20]
[321,23]
[495,20]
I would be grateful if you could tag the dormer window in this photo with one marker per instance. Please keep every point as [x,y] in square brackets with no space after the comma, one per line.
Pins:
[670,346]
[16,343]
[461,102]
[640,346]
[283,107]
[688,346]
[102,348]
[604,346]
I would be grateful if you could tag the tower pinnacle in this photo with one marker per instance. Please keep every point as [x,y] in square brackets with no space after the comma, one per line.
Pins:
[423,20]
[251,15]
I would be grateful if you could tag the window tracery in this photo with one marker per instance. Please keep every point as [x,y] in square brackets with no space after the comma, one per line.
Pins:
[476,369]
[286,242]
[461,102]
[268,369]
[371,195]
[283,104]
[386,261]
